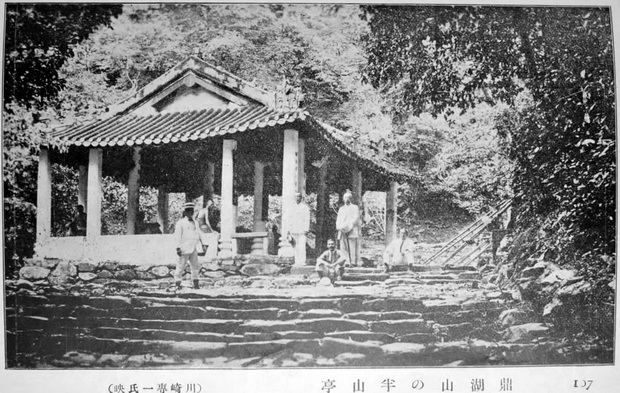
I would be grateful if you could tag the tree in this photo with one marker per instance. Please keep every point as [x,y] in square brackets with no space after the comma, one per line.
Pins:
[39,40]
[563,143]
[562,139]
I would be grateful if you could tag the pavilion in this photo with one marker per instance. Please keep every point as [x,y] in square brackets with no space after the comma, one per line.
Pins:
[202,131]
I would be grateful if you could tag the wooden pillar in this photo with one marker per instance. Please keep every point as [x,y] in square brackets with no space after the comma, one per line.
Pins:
[162,209]
[391,212]
[95,193]
[227,219]
[259,169]
[356,189]
[83,186]
[290,184]
[133,192]
[322,201]
[259,224]
[44,196]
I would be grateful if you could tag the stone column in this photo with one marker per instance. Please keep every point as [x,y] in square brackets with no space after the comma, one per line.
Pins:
[259,224]
[95,193]
[44,196]
[133,192]
[356,189]
[322,200]
[227,219]
[301,174]
[290,184]
[83,186]
[391,212]
[162,209]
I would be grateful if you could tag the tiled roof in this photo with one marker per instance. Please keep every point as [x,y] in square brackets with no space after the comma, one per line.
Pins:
[362,154]
[131,129]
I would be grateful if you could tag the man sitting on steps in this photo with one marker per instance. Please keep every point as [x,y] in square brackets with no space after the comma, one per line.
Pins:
[399,253]
[331,263]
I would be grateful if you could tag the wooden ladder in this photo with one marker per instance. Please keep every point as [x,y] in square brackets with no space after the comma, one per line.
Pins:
[466,237]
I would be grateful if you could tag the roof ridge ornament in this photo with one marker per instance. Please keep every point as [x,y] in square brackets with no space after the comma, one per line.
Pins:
[288,97]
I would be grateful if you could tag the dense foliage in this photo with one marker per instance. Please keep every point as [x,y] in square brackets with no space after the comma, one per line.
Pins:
[563,142]
[561,137]
[39,40]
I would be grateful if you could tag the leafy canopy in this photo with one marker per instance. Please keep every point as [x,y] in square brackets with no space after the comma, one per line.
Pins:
[39,39]
[439,58]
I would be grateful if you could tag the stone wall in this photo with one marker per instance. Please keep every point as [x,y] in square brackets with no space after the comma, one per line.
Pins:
[59,271]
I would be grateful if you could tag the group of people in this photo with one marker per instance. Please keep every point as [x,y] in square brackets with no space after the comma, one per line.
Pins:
[331,263]
[193,229]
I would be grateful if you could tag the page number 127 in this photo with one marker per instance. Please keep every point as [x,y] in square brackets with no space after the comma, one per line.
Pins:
[583,383]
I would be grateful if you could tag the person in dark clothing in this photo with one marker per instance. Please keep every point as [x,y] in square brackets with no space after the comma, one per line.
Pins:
[77,226]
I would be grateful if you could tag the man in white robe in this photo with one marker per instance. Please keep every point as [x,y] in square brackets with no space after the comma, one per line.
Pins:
[348,225]
[299,225]
[399,253]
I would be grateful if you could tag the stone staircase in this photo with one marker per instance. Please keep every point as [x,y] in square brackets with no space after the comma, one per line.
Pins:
[428,316]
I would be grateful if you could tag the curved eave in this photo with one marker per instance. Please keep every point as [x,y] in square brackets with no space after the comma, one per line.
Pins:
[134,130]
[379,165]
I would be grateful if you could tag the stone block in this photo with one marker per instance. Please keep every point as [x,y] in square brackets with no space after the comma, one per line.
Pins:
[459,330]
[425,268]
[332,347]
[400,327]
[105,274]
[111,360]
[320,313]
[213,274]
[362,335]
[109,302]
[260,269]
[525,333]
[321,303]
[160,271]
[33,272]
[33,262]
[323,325]
[86,267]
[255,348]
[194,349]
[403,347]
[142,275]
[418,338]
[515,316]
[125,274]
[79,359]
[302,270]
[50,263]
[285,304]
[349,359]
[87,276]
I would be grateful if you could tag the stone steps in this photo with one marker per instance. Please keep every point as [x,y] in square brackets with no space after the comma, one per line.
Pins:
[425,316]
[157,328]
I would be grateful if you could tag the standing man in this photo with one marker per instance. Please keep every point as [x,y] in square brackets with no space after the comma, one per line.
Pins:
[187,239]
[348,227]
[299,227]
[331,263]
